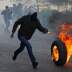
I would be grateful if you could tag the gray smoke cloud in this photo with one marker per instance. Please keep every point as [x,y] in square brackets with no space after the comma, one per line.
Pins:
[57,2]
[58,18]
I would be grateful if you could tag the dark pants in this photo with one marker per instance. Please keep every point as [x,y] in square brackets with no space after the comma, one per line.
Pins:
[24,43]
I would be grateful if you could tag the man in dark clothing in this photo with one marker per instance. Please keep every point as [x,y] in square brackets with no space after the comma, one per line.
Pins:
[28,25]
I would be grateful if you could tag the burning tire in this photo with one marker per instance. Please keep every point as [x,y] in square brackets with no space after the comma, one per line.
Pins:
[59,53]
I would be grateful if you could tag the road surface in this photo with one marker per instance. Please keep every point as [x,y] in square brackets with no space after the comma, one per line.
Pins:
[41,47]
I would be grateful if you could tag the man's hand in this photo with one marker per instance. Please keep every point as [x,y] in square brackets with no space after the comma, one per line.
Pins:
[12,35]
[46,30]
[50,33]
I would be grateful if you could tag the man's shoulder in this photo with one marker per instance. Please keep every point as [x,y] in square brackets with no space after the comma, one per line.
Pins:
[24,18]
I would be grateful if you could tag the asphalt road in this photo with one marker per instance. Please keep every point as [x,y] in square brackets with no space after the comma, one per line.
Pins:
[41,47]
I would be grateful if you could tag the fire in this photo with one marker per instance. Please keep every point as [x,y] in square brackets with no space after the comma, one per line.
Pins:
[65,35]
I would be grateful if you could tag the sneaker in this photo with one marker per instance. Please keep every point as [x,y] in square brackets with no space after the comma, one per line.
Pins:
[35,64]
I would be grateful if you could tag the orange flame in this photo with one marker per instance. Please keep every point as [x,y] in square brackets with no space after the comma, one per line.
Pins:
[65,35]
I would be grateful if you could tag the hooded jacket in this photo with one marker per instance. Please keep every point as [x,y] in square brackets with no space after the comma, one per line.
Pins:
[28,25]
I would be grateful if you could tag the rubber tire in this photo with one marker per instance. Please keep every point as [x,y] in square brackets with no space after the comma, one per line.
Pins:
[62,52]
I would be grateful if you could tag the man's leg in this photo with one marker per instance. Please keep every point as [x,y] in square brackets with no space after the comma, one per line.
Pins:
[32,58]
[30,52]
[18,51]
[7,25]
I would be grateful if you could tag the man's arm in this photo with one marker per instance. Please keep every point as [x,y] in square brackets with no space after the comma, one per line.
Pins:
[41,28]
[15,27]
[2,12]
